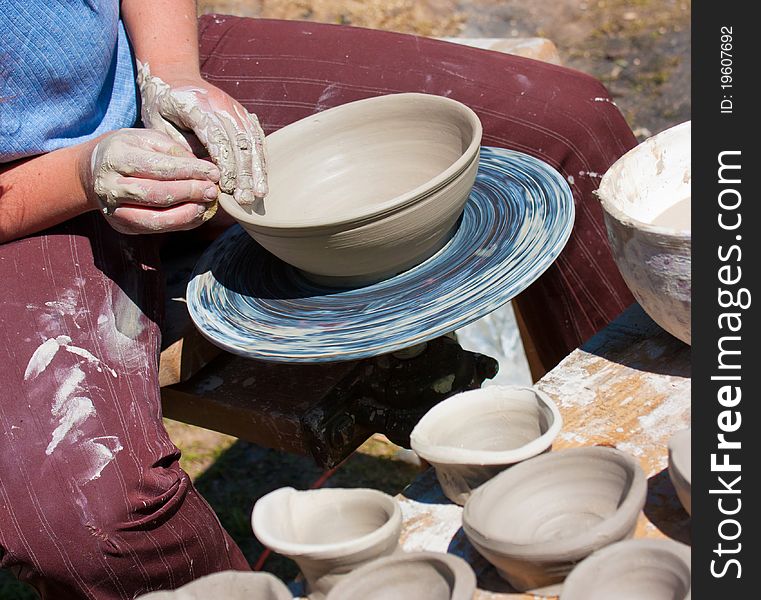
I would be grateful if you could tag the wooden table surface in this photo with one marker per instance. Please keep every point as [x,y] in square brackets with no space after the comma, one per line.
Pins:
[628,387]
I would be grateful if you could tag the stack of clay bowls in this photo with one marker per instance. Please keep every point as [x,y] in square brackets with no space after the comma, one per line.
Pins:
[328,532]
[646,200]
[472,436]
[230,585]
[680,466]
[633,569]
[368,189]
[536,520]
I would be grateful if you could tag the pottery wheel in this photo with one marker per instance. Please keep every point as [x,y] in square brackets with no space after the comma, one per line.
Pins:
[517,220]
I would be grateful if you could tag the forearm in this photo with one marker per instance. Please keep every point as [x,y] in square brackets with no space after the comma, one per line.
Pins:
[43,191]
[164,34]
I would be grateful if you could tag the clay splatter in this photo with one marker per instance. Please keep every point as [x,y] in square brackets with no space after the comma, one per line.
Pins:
[102,450]
[70,410]
[45,352]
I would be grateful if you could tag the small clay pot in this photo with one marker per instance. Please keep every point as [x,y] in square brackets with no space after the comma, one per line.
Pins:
[646,198]
[231,585]
[536,520]
[680,466]
[632,570]
[418,575]
[367,189]
[472,436]
[328,532]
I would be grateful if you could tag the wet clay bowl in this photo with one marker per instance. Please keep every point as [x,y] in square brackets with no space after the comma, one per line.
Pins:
[632,570]
[680,466]
[328,532]
[231,585]
[363,191]
[536,520]
[646,198]
[415,575]
[472,436]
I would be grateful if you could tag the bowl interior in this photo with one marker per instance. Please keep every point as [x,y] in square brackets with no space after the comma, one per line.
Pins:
[321,517]
[422,579]
[354,158]
[651,184]
[633,573]
[489,421]
[559,502]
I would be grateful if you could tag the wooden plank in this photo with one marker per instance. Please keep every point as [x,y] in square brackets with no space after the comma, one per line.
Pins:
[628,387]
[256,401]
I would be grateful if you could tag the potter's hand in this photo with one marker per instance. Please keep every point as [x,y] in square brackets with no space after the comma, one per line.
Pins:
[231,135]
[145,182]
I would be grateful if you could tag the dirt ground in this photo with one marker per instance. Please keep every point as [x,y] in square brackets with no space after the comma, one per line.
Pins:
[639,48]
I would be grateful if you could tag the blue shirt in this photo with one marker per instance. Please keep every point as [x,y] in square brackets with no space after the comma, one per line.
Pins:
[66,74]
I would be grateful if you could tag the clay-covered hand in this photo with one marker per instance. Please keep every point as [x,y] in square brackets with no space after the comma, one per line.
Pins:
[231,135]
[145,182]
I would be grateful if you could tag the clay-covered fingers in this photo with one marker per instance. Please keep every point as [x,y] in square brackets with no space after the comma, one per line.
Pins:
[251,180]
[258,159]
[242,145]
[155,192]
[155,165]
[151,154]
[236,145]
[136,220]
[144,181]
[211,131]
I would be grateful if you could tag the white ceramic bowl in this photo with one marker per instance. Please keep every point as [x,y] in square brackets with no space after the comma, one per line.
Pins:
[327,532]
[536,520]
[680,466]
[634,569]
[472,436]
[368,189]
[409,576]
[646,197]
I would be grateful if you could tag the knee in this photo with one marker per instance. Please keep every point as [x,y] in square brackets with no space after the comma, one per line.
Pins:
[106,515]
[139,504]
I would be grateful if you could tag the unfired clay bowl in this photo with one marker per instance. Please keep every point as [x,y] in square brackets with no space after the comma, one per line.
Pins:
[472,436]
[231,585]
[632,570]
[368,189]
[536,520]
[417,575]
[680,466]
[328,532]
[646,198]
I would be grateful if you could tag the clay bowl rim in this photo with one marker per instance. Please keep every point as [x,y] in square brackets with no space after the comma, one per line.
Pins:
[598,559]
[617,523]
[676,458]
[334,549]
[393,205]
[438,454]
[465,578]
[627,220]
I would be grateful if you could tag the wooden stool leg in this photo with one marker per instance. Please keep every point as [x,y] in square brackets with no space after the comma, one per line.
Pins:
[535,364]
